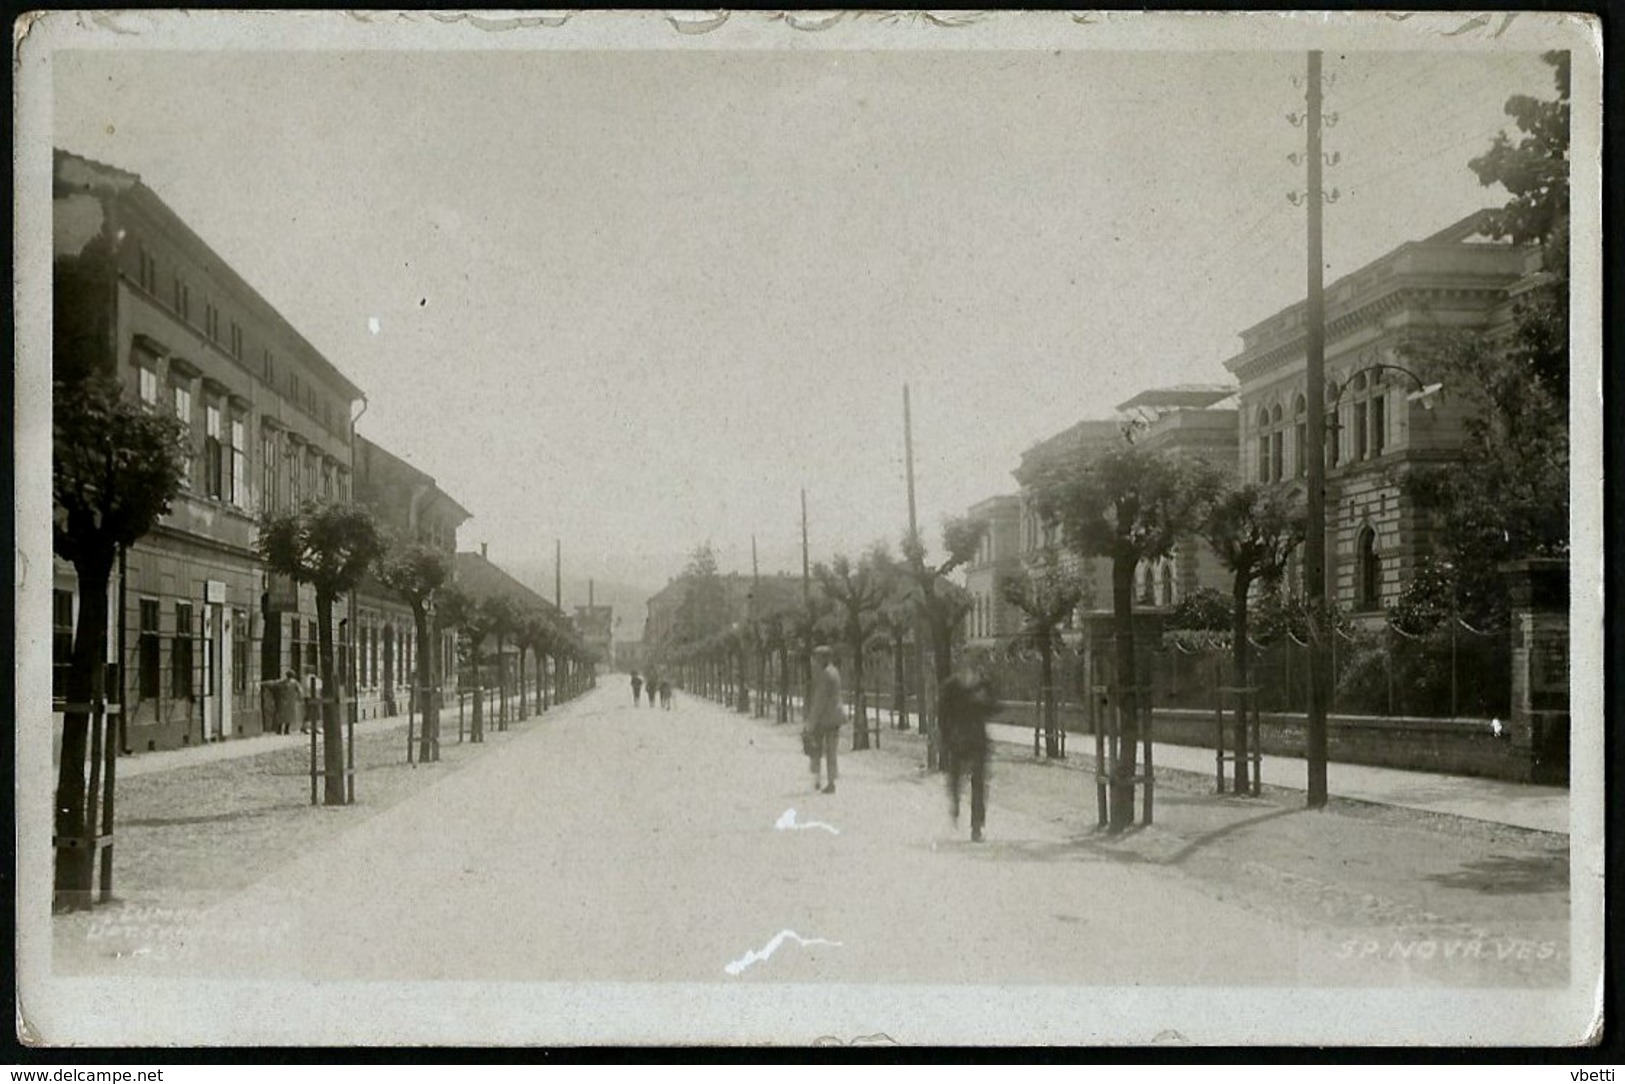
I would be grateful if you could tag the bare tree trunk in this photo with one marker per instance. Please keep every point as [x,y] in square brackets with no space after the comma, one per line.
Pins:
[476,730]
[860,706]
[1242,701]
[1128,699]
[899,696]
[524,702]
[87,677]
[427,710]
[1046,672]
[334,791]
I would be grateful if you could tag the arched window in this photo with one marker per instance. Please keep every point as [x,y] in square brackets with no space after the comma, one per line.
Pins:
[1277,444]
[1168,583]
[1370,571]
[1300,437]
[1148,587]
[1263,445]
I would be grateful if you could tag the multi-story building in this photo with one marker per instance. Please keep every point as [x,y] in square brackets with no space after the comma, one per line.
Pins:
[409,507]
[1037,538]
[270,419]
[477,574]
[1380,424]
[1198,421]
[742,596]
[992,619]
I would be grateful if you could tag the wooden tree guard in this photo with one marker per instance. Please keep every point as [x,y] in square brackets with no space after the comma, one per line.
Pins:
[99,791]
[317,771]
[1108,750]
[1045,696]
[1246,699]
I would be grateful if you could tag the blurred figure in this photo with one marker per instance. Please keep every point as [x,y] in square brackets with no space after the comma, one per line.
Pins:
[821,736]
[963,709]
[637,688]
[665,694]
[287,702]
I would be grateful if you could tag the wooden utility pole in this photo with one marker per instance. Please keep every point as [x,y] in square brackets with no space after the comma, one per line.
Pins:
[919,625]
[806,605]
[1314,550]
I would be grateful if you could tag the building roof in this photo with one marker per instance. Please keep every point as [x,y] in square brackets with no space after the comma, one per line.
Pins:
[371,456]
[1089,431]
[74,172]
[1178,396]
[477,575]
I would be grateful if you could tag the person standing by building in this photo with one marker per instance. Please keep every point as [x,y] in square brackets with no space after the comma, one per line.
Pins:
[637,688]
[821,735]
[287,703]
[963,708]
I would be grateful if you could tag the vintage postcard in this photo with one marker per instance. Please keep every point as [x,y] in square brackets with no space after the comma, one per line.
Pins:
[808,528]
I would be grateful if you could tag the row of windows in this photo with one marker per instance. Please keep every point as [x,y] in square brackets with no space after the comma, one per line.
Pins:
[1364,405]
[302,393]
[190,668]
[289,469]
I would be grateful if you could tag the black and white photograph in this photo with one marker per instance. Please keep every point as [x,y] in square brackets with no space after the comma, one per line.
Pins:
[808,529]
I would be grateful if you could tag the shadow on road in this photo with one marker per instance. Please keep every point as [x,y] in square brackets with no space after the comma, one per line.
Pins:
[1508,876]
[214,818]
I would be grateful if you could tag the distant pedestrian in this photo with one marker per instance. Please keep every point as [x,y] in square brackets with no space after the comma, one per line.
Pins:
[287,703]
[637,688]
[964,706]
[665,693]
[821,735]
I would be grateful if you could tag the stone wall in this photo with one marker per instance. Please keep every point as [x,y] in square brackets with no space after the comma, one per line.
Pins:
[1446,746]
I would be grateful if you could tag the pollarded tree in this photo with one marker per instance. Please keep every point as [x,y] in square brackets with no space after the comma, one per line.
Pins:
[462,611]
[857,591]
[329,545]
[1253,530]
[937,600]
[1046,597]
[415,571]
[1128,504]
[115,467]
[503,616]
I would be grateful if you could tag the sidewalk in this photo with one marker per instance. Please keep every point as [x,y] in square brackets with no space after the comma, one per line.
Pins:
[236,748]
[1543,809]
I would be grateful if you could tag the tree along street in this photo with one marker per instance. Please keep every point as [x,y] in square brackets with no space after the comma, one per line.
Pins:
[613,843]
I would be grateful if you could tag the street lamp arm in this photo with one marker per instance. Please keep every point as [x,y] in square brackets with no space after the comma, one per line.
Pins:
[1422,387]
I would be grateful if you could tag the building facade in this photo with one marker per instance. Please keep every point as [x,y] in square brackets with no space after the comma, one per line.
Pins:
[1198,421]
[409,507]
[1381,423]
[270,423]
[991,619]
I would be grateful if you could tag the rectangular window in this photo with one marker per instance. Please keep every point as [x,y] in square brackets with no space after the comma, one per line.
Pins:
[269,490]
[61,641]
[211,321]
[180,653]
[312,659]
[236,339]
[327,479]
[1379,424]
[239,652]
[146,384]
[1277,445]
[213,454]
[310,473]
[1359,431]
[238,484]
[149,271]
[1263,457]
[147,646]
[295,646]
[1300,444]
[269,367]
[183,411]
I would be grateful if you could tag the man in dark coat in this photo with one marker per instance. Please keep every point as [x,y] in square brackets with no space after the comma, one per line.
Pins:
[964,706]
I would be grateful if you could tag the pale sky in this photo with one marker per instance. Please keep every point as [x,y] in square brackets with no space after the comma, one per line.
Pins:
[637,300]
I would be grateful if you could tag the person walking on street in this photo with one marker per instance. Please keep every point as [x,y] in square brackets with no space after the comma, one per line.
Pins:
[821,735]
[637,688]
[665,694]
[963,708]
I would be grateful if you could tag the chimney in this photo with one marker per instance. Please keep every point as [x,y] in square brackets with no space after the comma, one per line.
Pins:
[482,552]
